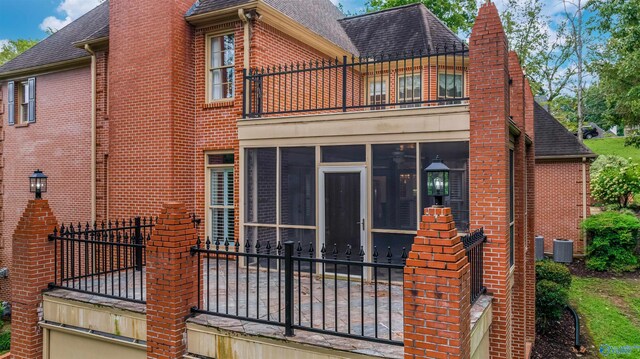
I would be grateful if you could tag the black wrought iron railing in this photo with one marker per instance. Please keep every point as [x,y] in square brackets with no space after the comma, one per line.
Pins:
[105,259]
[420,78]
[295,287]
[474,245]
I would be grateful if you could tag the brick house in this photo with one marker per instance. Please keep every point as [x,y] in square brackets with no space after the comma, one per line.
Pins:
[279,120]
[562,167]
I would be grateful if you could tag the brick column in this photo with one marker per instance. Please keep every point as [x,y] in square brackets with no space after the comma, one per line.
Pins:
[489,166]
[517,107]
[33,270]
[171,282]
[437,291]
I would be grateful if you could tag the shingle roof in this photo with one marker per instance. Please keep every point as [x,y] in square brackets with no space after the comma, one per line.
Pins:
[406,28]
[552,139]
[58,47]
[319,16]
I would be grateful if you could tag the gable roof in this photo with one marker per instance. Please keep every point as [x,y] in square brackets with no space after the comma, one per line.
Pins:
[59,46]
[552,139]
[319,16]
[398,30]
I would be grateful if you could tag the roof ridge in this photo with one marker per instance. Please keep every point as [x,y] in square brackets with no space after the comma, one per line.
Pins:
[428,40]
[380,11]
[441,22]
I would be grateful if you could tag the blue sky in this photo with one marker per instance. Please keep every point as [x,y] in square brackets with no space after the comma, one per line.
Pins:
[31,18]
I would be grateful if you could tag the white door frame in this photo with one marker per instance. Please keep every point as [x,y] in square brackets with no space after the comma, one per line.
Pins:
[362,170]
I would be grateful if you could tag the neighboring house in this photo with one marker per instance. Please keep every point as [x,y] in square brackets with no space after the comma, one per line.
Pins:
[562,182]
[284,120]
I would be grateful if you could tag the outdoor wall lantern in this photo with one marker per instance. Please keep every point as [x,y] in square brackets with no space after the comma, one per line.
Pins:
[437,180]
[38,182]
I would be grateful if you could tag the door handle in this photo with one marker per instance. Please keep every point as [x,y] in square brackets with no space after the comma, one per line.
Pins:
[362,223]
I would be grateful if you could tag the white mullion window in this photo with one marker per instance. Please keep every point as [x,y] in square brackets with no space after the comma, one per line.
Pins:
[409,90]
[221,216]
[24,102]
[221,67]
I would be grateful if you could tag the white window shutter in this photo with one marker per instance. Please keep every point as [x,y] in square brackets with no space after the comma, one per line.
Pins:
[12,103]
[32,100]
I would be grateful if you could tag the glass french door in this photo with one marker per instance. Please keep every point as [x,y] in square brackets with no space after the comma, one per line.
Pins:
[221,213]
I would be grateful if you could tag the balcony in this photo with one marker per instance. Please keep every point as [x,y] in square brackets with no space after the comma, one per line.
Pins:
[367,83]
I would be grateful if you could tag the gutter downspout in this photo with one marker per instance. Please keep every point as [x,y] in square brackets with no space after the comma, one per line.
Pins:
[93,132]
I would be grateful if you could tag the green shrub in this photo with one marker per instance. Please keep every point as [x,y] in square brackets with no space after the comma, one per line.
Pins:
[552,271]
[5,341]
[613,241]
[551,301]
[616,183]
[633,139]
[606,160]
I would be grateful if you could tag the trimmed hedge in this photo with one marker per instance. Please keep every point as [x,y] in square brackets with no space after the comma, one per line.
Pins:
[613,241]
[552,271]
[552,295]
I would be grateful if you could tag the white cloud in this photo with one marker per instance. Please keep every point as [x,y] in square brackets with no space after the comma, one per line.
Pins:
[69,10]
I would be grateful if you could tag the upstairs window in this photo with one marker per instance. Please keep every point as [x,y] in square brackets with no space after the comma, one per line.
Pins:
[409,90]
[221,70]
[449,86]
[22,101]
[23,95]
[377,93]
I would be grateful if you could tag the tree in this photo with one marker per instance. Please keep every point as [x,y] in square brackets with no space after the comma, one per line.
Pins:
[458,15]
[543,53]
[14,48]
[573,10]
[618,64]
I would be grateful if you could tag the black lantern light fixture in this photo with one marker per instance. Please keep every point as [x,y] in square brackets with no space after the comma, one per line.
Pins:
[437,180]
[38,183]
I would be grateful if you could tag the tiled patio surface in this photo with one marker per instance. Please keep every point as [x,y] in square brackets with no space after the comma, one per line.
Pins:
[259,294]
[338,305]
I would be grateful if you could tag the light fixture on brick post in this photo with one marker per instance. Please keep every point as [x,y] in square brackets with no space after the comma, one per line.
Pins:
[38,183]
[437,180]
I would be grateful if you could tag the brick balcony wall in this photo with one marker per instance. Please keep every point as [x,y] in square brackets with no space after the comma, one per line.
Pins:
[59,144]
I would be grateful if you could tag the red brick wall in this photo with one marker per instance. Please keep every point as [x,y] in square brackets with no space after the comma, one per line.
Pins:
[559,200]
[59,144]
[151,117]
[102,134]
[489,166]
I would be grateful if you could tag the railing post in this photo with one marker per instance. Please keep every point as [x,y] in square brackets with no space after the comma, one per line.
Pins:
[245,93]
[259,94]
[288,289]
[344,83]
[138,241]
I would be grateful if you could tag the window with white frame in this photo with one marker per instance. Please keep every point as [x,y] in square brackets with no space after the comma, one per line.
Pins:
[221,215]
[450,85]
[409,90]
[24,102]
[377,92]
[221,71]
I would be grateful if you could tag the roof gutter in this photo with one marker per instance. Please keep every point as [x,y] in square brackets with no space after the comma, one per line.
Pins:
[93,42]
[87,47]
[213,16]
[567,157]
[47,68]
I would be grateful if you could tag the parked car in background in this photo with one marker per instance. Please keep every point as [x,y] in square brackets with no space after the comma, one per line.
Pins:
[588,132]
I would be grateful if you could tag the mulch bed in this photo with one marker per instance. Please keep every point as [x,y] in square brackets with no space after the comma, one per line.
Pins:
[579,268]
[558,342]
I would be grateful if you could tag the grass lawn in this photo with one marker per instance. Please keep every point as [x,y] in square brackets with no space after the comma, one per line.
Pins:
[611,309]
[613,146]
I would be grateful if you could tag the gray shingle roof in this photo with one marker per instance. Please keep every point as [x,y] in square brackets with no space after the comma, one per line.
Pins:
[319,16]
[59,47]
[401,29]
[552,139]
